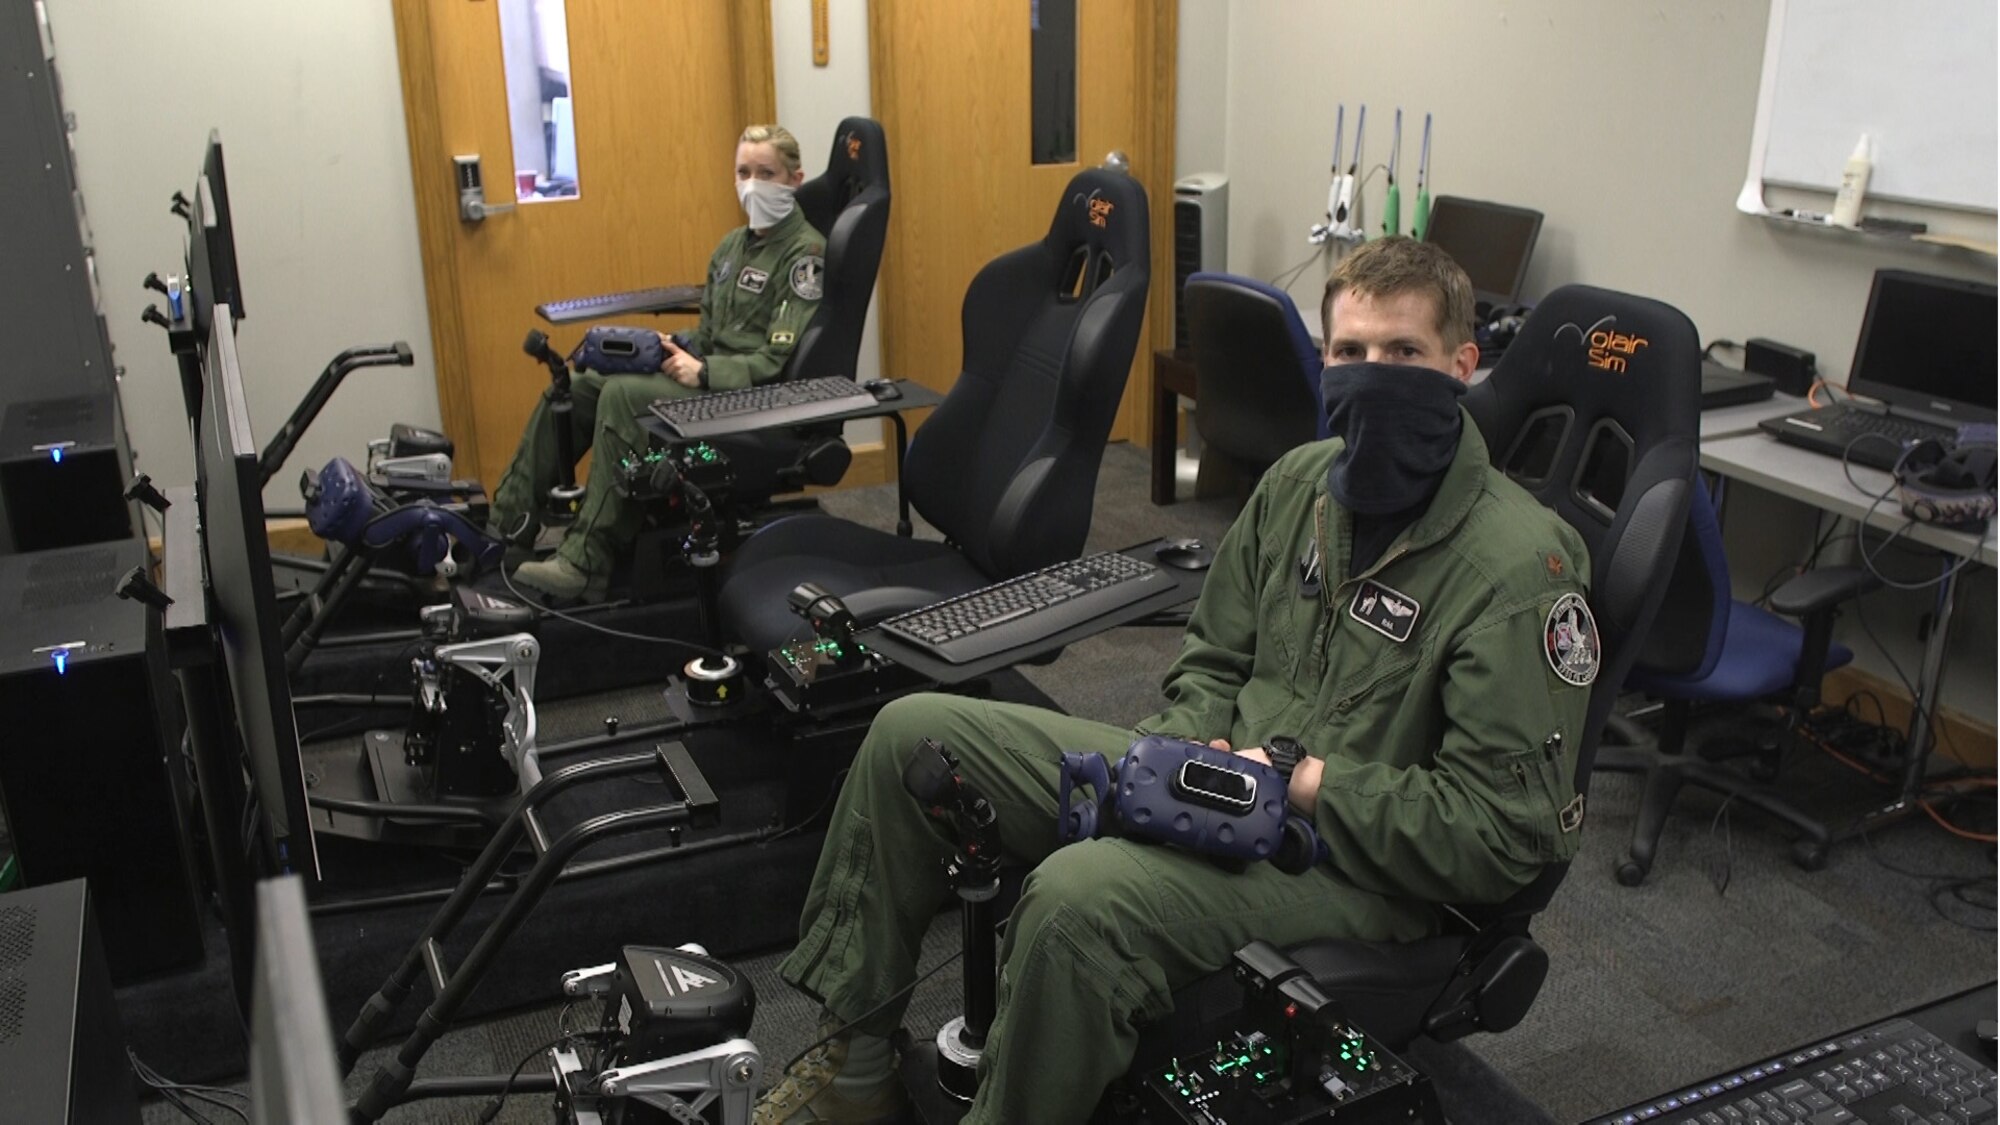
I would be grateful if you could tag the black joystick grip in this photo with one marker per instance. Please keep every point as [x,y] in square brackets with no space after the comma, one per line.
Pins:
[928,774]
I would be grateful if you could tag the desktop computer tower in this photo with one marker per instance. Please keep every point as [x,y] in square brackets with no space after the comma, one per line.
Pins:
[84,777]
[62,474]
[1201,236]
[62,1049]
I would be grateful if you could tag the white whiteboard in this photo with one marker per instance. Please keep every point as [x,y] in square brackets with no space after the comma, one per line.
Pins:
[1917,77]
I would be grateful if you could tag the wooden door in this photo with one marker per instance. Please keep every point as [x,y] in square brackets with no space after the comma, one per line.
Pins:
[950,83]
[660,93]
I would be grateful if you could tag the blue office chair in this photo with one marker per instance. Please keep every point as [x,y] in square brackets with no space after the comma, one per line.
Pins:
[1256,371]
[1732,652]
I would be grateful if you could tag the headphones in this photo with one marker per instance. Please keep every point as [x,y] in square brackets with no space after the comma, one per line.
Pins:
[1949,486]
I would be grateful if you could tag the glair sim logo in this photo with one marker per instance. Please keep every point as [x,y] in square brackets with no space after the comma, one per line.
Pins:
[1608,348]
[1100,209]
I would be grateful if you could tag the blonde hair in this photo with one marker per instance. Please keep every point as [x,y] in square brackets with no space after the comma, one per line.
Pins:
[778,137]
[1390,266]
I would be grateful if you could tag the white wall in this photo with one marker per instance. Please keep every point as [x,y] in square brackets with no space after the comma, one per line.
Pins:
[310,108]
[1201,104]
[812,100]
[1628,125]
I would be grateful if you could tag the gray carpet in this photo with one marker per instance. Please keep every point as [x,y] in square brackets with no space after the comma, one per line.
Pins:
[1727,954]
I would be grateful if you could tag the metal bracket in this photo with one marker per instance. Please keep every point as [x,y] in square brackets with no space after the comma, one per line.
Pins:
[507,665]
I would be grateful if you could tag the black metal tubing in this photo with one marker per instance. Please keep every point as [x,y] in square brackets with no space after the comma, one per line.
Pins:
[302,615]
[456,814]
[351,576]
[507,882]
[387,1085]
[321,392]
[473,1085]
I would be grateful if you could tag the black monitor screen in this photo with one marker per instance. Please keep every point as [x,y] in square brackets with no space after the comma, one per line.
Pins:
[1492,241]
[212,272]
[245,604]
[1928,346]
[294,1073]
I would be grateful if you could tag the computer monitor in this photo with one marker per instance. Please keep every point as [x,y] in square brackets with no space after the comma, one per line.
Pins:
[211,250]
[1927,347]
[244,607]
[1492,241]
[294,1073]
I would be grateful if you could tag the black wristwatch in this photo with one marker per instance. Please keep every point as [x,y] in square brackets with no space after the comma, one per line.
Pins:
[701,377]
[1285,754]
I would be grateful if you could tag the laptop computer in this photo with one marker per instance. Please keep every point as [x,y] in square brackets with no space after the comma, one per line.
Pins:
[1928,352]
[1726,386]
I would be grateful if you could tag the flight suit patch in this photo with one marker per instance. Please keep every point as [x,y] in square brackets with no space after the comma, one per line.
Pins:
[720,271]
[1569,640]
[782,338]
[1389,612]
[752,279]
[1554,566]
[809,277]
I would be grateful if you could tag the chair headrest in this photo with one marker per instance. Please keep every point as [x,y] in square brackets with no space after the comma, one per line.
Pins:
[857,163]
[1246,294]
[1592,376]
[859,152]
[1105,211]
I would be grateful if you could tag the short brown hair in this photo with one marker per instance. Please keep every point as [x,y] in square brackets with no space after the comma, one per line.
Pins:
[1389,266]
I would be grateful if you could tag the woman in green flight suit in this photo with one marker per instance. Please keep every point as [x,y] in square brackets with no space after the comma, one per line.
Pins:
[764,284]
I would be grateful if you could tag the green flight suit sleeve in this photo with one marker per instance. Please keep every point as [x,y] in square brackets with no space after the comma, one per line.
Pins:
[1218,649]
[1481,818]
[792,298]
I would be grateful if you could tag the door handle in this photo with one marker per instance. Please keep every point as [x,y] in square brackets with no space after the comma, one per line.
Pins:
[472,205]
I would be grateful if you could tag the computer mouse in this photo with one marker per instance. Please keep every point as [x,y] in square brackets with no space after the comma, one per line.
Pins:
[1185,554]
[882,389]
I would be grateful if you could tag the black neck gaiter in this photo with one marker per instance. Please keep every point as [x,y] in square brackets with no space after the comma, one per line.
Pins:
[1400,425]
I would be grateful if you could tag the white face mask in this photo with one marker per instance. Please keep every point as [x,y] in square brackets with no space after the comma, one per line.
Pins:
[765,202]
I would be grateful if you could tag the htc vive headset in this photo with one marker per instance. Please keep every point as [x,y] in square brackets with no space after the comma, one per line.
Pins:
[1952,486]
[613,350]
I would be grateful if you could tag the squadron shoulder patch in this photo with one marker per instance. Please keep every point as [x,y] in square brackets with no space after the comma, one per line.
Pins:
[1569,639]
[809,277]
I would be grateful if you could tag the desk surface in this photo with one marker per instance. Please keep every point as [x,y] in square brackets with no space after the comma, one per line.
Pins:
[1762,460]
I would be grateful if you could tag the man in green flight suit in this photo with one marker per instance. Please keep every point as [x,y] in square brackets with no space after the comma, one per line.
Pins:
[764,284]
[1393,621]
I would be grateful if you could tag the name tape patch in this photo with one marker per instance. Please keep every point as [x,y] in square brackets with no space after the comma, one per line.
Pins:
[1391,613]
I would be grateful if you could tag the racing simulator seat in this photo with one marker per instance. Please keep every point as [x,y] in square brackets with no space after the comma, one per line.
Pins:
[1616,458]
[1006,466]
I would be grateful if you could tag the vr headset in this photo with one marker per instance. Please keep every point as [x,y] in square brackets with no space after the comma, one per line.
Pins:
[611,350]
[1951,486]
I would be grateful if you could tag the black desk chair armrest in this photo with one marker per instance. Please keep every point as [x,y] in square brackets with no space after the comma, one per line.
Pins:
[1822,588]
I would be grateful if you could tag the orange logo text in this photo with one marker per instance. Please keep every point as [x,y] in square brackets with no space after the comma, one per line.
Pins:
[1608,348]
[1100,212]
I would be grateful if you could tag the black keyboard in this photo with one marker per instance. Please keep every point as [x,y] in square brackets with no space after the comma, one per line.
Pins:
[1834,429]
[1023,610]
[773,404]
[666,298]
[1894,1073]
